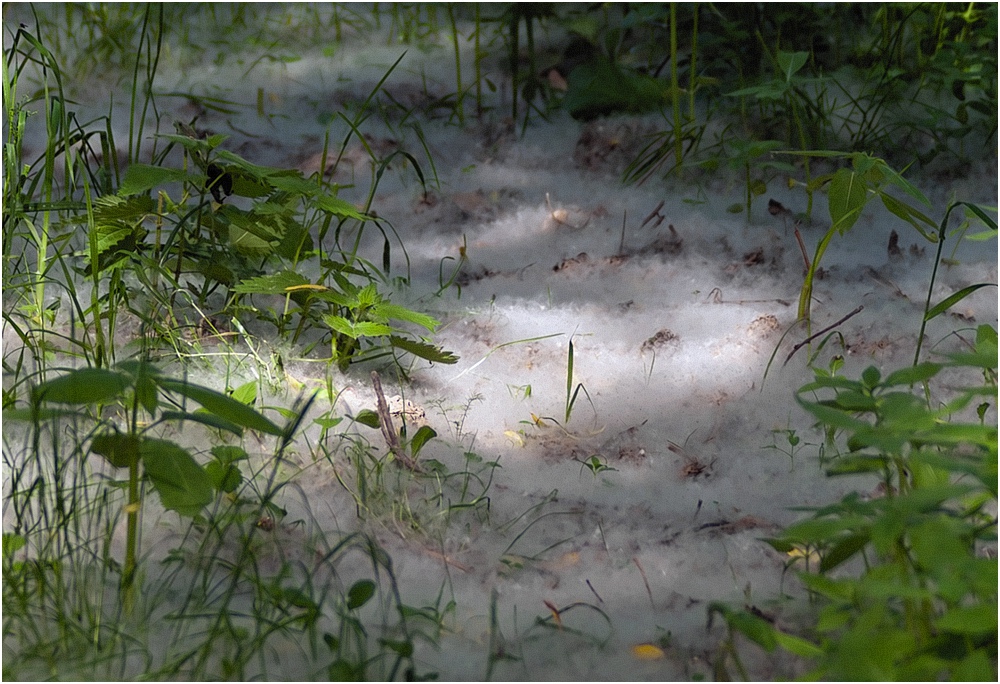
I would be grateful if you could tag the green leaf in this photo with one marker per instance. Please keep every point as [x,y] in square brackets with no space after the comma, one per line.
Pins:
[181,483]
[797,645]
[912,375]
[401,313]
[203,417]
[790,63]
[83,386]
[403,648]
[339,207]
[360,593]
[842,551]
[423,350]
[848,196]
[12,543]
[223,478]
[953,299]
[274,284]
[909,214]
[246,393]
[120,449]
[369,418]
[223,406]
[229,454]
[140,178]
[422,436]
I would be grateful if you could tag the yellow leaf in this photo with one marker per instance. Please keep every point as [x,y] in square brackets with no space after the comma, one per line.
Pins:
[647,652]
[306,286]
[514,437]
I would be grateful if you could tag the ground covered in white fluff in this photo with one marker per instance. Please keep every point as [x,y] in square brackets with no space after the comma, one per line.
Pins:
[673,322]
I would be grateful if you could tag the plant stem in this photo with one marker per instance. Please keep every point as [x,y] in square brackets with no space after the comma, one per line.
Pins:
[675,86]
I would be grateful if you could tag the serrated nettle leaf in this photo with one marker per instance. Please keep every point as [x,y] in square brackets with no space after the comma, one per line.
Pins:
[229,454]
[276,283]
[83,386]
[118,208]
[223,478]
[181,483]
[371,329]
[423,350]
[140,178]
[223,406]
[403,314]
[340,325]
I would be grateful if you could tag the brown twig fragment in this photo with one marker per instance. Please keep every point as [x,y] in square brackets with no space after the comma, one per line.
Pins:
[824,330]
[802,246]
[635,559]
[389,430]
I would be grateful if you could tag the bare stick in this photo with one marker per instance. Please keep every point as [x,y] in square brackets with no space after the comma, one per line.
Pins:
[595,591]
[388,429]
[635,559]
[824,330]
[621,245]
[802,245]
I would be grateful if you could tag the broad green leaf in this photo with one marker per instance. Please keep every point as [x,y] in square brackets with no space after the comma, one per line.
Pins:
[120,449]
[790,63]
[83,386]
[275,283]
[912,375]
[422,436]
[797,645]
[181,483]
[423,350]
[369,418]
[117,208]
[832,416]
[842,551]
[223,406]
[246,393]
[339,207]
[754,628]
[403,648]
[401,313]
[140,178]
[229,454]
[370,329]
[12,543]
[848,196]
[909,214]
[360,593]
[223,478]
[203,417]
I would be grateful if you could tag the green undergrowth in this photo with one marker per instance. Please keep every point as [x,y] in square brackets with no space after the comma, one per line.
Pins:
[132,265]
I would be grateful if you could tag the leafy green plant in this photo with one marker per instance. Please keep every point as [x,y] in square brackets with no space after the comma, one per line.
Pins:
[181,483]
[919,599]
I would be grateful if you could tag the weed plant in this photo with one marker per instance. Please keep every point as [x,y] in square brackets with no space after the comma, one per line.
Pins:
[177,232]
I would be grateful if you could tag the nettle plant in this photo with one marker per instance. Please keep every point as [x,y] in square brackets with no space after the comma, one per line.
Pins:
[126,439]
[905,587]
[263,253]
